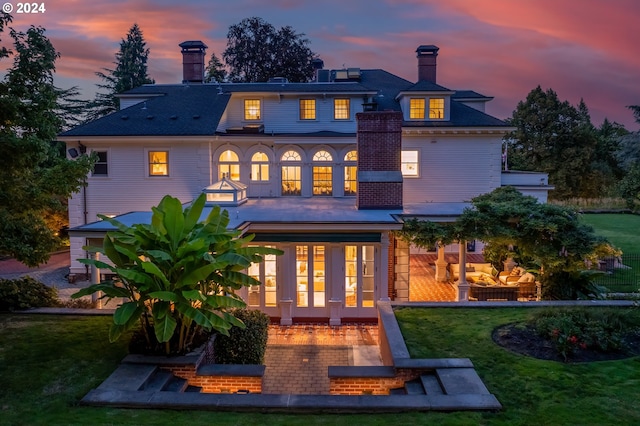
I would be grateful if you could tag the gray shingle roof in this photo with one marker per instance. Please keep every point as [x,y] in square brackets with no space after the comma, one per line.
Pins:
[196,109]
[183,110]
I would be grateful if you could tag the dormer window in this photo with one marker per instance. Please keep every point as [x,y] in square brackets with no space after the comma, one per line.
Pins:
[416,108]
[436,108]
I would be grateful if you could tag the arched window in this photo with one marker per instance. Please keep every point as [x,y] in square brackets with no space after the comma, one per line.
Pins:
[259,167]
[322,174]
[350,173]
[229,165]
[291,173]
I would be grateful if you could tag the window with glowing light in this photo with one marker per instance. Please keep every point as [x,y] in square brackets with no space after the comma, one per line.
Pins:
[416,108]
[291,173]
[229,165]
[307,109]
[341,109]
[259,167]
[322,174]
[350,173]
[410,163]
[436,108]
[252,109]
[158,163]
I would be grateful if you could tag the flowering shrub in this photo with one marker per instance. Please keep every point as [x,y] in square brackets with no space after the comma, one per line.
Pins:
[573,329]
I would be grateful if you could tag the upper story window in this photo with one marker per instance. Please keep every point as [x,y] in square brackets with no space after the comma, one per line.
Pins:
[158,163]
[291,173]
[252,109]
[436,108]
[416,108]
[322,174]
[410,163]
[341,109]
[350,173]
[307,109]
[229,165]
[101,167]
[259,167]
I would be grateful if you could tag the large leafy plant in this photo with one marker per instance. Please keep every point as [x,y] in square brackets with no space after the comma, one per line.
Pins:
[178,275]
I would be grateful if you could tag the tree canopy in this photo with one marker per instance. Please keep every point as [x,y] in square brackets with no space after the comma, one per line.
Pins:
[257,51]
[130,72]
[629,157]
[36,178]
[215,71]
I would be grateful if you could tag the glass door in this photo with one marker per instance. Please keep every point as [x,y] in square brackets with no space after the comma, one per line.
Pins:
[310,278]
[359,280]
[264,296]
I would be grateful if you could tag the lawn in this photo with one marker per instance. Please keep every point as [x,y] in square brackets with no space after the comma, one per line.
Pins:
[622,230]
[48,363]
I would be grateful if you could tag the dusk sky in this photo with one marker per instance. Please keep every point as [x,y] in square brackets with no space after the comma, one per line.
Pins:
[501,48]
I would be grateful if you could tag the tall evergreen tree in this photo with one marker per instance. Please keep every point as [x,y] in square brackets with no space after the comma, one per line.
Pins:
[257,51]
[215,71]
[129,73]
[35,177]
[554,137]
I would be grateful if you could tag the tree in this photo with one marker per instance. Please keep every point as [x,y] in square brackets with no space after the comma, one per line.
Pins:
[629,156]
[178,274]
[130,72]
[35,177]
[215,71]
[546,237]
[554,137]
[256,51]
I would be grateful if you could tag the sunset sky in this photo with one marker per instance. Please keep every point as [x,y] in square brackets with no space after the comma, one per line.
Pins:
[502,48]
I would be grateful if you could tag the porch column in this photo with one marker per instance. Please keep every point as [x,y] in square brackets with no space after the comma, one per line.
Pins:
[463,285]
[381,275]
[335,282]
[286,280]
[95,279]
[441,265]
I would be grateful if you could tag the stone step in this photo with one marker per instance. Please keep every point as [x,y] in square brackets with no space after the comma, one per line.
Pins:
[194,389]
[128,377]
[461,381]
[431,384]
[397,391]
[158,381]
[176,384]
[414,387]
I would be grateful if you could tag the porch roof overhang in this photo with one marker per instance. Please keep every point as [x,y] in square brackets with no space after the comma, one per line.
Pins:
[285,214]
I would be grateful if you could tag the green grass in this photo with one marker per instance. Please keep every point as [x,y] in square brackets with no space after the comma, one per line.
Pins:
[47,363]
[532,391]
[622,230]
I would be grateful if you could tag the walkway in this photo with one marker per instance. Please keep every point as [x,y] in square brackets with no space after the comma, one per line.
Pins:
[298,356]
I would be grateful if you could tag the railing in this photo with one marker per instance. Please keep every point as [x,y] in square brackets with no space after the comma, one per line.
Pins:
[622,274]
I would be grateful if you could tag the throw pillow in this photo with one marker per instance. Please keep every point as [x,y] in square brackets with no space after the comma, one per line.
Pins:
[527,278]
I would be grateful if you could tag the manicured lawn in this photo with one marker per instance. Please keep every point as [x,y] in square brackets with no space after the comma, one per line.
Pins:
[622,230]
[48,363]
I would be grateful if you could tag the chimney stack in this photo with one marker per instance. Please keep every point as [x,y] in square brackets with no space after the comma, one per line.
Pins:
[379,140]
[193,61]
[427,55]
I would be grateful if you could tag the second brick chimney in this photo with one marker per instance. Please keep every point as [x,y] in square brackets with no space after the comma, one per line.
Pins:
[427,55]
[193,61]
[379,159]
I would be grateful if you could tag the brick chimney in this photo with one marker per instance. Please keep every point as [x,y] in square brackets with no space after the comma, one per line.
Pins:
[379,141]
[427,55]
[193,61]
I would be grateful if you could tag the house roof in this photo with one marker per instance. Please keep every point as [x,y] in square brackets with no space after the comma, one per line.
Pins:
[196,109]
[182,110]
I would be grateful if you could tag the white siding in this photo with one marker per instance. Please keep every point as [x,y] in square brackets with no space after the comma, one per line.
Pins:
[282,114]
[453,168]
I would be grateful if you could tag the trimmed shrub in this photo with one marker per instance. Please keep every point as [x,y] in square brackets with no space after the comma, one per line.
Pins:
[244,346]
[25,293]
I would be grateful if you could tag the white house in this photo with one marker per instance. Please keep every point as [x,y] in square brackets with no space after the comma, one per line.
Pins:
[324,170]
